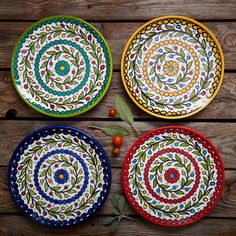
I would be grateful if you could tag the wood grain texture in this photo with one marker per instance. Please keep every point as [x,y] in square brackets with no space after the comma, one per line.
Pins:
[117,10]
[226,207]
[222,135]
[222,107]
[117,35]
[15,225]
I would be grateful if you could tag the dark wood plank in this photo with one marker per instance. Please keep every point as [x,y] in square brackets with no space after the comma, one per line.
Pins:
[18,225]
[222,107]
[113,10]
[117,34]
[226,207]
[222,135]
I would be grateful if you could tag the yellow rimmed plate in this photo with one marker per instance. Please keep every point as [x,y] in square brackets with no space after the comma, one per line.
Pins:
[172,67]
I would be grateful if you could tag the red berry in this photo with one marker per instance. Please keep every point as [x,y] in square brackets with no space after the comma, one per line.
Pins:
[102,67]
[36,86]
[90,37]
[88,99]
[76,39]
[85,89]
[67,87]
[23,51]
[49,205]
[60,99]
[52,106]
[81,63]
[44,213]
[31,58]
[66,187]
[50,193]
[26,86]
[62,25]
[78,213]
[93,62]
[112,112]
[116,152]
[77,186]
[57,48]
[117,140]
[56,165]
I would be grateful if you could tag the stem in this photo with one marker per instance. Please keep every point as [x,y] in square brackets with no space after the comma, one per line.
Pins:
[128,218]
[135,128]
[95,127]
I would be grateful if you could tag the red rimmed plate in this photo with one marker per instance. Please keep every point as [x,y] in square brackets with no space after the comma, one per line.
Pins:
[173,176]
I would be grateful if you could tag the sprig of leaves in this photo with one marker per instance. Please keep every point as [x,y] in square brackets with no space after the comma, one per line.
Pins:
[124,111]
[112,130]
[120,210]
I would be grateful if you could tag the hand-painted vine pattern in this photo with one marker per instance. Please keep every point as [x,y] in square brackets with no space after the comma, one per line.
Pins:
[172,67]
[61,66]
[173,176]
[59,176]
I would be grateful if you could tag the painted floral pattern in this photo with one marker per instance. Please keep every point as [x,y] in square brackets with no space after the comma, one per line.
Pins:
[59,176]
[172,67]
[173,176]
[61,66]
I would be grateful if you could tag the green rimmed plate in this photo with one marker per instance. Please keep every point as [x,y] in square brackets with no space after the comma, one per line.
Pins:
[61,66]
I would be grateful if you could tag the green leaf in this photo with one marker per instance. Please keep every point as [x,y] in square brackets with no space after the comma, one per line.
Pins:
[170,27]
[124,111]
[108,220]
[115,201]
[188,31]
[65,49]
[43,173]
[122,204]
[114,226]
[113,130]
[170,142]
[189,182]
[204,43]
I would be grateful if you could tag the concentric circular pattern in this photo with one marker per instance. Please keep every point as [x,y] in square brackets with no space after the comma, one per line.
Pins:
[62,66]
[172,67]
[173,176]
[59,176]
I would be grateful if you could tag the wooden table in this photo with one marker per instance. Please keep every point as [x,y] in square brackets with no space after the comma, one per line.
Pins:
[117,20]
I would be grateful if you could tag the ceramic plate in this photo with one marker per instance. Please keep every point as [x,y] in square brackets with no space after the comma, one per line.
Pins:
[173,176]
[61,66]
[172,67]
[59,176]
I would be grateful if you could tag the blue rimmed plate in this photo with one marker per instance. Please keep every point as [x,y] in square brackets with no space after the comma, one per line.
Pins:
[59,176]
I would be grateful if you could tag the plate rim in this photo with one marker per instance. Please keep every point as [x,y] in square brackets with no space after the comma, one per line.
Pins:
[110,60]
[201,136]
[58,127]
[163,18]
